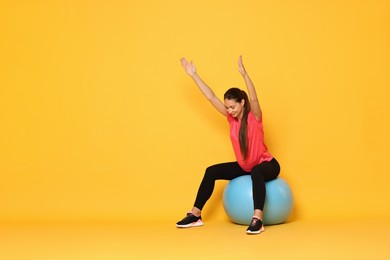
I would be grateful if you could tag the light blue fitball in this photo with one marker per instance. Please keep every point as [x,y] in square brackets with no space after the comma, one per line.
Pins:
[238,201]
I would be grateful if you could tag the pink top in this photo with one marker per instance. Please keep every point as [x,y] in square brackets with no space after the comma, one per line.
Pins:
[257,150]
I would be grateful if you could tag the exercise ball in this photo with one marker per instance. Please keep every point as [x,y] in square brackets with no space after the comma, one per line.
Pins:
[238,201]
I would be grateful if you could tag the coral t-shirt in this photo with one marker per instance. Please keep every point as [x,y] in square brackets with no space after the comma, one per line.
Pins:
[257,150]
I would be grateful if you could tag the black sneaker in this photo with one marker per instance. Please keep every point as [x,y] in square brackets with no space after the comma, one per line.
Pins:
[255,227]
[190,221]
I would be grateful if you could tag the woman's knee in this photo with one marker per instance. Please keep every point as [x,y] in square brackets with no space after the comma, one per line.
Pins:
[258,170]
[210,172]
[265,171]
[257,175]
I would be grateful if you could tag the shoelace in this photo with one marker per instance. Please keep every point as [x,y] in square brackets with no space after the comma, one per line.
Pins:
[254,221]
[189,216]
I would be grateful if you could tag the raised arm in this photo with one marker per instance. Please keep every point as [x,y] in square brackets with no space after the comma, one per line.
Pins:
[253,100]
[189,67]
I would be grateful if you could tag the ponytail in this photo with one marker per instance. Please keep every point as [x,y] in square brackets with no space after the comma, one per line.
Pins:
[239,95]
[243,136]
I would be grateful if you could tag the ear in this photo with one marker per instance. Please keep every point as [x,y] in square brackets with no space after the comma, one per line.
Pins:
[242,102]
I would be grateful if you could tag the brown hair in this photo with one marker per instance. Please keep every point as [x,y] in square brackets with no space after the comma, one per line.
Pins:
[238,95]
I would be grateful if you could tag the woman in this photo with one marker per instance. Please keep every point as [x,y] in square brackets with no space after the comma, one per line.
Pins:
[247,136]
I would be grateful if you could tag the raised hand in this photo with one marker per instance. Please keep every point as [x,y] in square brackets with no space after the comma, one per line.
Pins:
[255,106]
[189,67]
[241,67]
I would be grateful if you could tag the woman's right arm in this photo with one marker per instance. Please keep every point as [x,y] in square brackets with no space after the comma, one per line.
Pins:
[189,67]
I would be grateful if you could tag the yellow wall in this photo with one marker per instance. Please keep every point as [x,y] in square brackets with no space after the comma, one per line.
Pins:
[98,119]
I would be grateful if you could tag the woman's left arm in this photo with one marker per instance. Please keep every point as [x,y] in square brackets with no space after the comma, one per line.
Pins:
[253,100]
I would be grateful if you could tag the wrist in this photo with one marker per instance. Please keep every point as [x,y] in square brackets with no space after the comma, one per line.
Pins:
[194,75]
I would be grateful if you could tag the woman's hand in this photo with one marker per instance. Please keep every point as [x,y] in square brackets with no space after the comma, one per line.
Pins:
[206,90]
[189,67]
[241,67]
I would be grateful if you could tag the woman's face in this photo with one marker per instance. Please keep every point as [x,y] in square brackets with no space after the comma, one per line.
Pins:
[235,108]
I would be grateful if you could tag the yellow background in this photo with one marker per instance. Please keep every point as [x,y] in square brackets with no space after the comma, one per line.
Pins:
[99,121]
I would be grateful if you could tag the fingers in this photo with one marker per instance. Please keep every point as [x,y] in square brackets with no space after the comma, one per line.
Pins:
[240,60]
[183,61]
[189,67]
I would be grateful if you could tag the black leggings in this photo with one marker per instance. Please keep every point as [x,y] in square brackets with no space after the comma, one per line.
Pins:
[260,174]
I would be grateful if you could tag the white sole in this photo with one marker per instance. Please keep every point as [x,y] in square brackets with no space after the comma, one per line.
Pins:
[262,229]
[194,224]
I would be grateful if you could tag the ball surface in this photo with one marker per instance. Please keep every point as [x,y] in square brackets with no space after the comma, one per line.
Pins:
[238,201]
